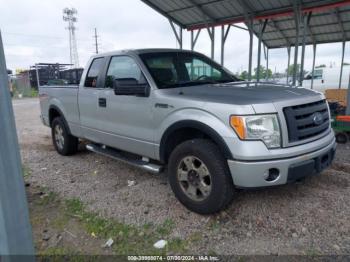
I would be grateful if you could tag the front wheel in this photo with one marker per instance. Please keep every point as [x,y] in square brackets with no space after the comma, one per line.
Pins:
[342,138]
[199,176]
[64,143]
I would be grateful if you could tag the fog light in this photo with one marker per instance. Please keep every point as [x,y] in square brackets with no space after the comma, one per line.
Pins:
[272,174]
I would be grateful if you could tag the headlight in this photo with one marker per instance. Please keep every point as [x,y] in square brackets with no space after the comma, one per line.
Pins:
[258,127]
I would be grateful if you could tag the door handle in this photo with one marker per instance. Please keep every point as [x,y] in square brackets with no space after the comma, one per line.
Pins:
[102,102]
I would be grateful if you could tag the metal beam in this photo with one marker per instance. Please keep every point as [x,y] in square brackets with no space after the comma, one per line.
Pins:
[341,26]
[342,64]
[301,75]
[194,38]
[297,17]
[251,34]
[15,229]
[348,98]
[261,32]
[313,66]
[274,24]
[240,27]
[178,35]
[249,23]
[224,34]
[277,13]
[211,32]
[267,61]
[313,39]
[288,51]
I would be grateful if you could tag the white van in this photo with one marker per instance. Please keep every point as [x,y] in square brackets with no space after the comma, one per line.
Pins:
[327,78]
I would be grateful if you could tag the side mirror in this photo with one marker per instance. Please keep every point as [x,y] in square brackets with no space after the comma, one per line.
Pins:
[129,87]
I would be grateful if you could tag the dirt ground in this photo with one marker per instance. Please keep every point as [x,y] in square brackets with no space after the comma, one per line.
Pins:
[308,218]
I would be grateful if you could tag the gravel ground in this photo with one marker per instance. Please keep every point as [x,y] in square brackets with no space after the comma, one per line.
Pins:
[310,217]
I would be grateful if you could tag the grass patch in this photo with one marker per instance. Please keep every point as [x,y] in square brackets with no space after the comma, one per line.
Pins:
[128,239]
[26,92]
[26,171]
[48,198]
[166,228]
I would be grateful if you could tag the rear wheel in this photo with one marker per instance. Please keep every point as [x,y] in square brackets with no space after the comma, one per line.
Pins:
[64,143]
[199,176]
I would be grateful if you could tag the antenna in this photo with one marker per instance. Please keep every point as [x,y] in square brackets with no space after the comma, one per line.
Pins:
[69,16]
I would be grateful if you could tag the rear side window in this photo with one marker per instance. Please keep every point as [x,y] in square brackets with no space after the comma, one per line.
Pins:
[94,72]
[123,67]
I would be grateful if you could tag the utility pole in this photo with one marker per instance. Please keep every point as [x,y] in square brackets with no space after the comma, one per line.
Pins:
[15,229]
[96,43]
[69,16]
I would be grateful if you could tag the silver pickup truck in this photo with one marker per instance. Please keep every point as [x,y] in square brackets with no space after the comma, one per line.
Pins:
[157,108]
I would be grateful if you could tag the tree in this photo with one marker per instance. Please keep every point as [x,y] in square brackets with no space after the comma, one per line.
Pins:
[262,72]
[244,75]
[290,69]
[320,66]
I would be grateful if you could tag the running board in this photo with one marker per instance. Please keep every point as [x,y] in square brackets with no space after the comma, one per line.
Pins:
[118,155]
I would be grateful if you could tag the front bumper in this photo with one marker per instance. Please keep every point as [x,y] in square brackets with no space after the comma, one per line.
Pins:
[248,174]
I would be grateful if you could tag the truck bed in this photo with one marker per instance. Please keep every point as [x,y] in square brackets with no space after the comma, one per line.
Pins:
[62,97]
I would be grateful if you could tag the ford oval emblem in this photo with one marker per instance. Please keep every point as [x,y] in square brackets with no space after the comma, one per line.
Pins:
[317,118]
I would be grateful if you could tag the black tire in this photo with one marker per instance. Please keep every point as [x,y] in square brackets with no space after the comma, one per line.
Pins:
[342,138]
[70,143]
[222,189]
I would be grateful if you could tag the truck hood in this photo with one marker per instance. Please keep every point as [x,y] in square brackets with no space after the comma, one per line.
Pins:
[244,93]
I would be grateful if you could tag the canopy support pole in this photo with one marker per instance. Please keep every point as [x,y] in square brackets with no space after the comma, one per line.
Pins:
[313,65]
[297,28]
[266,54]
[301,75]
[250,27]
[348,104]
[342,64]
[224,34]
[261,33]
[16,234]
[288,51]
[194,38]
[211,32]
[178,35]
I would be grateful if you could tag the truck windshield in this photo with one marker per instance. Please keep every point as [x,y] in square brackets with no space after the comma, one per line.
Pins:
[178,69]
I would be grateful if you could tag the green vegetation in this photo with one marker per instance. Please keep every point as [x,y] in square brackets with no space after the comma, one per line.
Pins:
[128,239]
[26,171]
[263,73]
[24,91]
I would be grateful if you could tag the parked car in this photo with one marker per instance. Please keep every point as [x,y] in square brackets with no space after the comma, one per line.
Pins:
[156,108]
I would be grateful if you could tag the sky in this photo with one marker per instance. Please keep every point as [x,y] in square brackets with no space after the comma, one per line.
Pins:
[33,31]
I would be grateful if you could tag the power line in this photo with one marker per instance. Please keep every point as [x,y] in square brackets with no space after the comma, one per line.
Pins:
[42,36]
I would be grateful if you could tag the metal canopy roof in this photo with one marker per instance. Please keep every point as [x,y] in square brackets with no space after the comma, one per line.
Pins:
[328,20]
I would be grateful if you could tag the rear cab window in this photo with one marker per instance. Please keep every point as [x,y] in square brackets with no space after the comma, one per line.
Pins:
[94,72]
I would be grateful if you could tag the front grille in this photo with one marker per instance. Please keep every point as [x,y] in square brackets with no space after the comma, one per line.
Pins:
[301,120]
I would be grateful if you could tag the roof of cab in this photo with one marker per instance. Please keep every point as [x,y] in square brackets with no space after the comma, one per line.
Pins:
[142,51]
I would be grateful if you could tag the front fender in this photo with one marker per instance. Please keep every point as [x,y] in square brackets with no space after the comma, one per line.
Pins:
[195,118]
